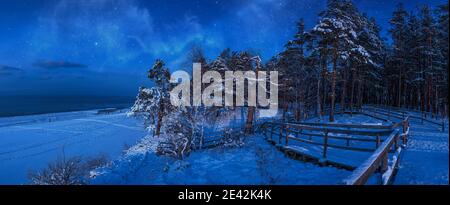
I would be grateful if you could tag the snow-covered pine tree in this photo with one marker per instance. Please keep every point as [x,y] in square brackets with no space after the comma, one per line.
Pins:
[225,56]
[283,73]
[443,27]
[399,32]
[429,54]
[146,106]
[314,65]
[366,62]
[413,75]
[220,65]
[154,103]
[178,133]
[295,73]
[242,61]
[337,38]
[416,66]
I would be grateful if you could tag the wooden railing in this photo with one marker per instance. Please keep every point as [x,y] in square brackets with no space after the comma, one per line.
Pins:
[378,161]
[285,132]
[402,114]
[424,114]
[387,113]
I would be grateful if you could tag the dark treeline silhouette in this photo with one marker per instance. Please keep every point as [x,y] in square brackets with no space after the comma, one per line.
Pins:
[343,60]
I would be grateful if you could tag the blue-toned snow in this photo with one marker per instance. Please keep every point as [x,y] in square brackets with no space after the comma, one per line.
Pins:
[257,162]
[426,159]
[30,142]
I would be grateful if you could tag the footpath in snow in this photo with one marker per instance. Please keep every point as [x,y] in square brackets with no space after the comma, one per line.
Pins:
[426,159]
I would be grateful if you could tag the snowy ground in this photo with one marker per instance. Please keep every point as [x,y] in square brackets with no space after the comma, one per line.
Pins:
[257,162]
[30,142]
[350,119]
[426,159]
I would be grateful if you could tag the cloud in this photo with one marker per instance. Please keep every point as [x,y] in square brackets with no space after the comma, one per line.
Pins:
[93,31]
[267,25]
[122,33]
[9,70]
[57,64]
[130,35]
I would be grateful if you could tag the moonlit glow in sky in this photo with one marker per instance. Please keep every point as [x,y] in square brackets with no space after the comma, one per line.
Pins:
[104,47]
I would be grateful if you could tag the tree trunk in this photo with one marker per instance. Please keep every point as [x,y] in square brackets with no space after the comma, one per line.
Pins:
[251,111]
[333,84]
[360,82]
[352,92]
[333,93]
[429,96]
[436,99]
[249,123]
[344,92]
[298,101]
[399,87]
[319,101]
[159,121]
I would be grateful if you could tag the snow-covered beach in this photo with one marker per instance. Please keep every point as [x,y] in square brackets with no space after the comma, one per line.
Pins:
[31,142]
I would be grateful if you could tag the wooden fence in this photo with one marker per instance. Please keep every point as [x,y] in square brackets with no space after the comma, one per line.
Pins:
[378,161]
[402,114]
[282,133]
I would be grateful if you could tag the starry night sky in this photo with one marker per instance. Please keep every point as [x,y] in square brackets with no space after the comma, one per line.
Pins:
[104,47]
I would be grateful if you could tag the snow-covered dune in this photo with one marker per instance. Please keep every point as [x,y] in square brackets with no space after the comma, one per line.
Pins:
[31,142]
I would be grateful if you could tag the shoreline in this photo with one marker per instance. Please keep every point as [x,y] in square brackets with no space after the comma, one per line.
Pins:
[8,121]
[32,142]
[13,106]
[66,111]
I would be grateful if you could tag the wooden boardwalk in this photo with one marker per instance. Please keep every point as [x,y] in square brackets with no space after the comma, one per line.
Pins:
[385,151]
[365,149]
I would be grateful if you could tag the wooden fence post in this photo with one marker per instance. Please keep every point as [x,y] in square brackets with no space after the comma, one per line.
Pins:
[287,135]
[396,143]
[397,138]
[404,126]
[378,141]
[405,130]
[281,133]
[384,165]
[325,144]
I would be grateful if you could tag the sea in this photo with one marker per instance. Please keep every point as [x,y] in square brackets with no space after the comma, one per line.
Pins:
[31,105]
